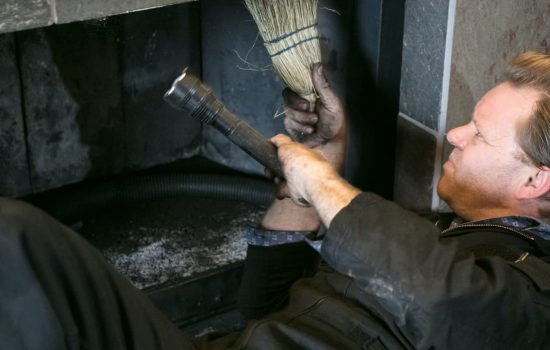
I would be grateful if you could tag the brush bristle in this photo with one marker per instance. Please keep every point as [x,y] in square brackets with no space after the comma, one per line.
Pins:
[289,31]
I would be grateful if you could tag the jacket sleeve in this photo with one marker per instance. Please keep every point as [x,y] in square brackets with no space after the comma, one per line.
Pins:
[437,297]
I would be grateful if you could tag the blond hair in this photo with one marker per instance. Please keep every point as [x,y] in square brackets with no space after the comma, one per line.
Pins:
[532,70]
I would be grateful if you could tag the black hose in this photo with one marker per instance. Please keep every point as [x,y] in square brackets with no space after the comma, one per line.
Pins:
[68,203]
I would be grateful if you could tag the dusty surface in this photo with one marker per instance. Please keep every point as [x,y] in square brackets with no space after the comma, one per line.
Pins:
[164,240]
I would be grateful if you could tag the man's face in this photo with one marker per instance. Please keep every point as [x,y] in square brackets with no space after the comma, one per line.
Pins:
[486,165]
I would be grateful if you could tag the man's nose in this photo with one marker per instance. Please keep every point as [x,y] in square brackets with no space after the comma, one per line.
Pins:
[456,137]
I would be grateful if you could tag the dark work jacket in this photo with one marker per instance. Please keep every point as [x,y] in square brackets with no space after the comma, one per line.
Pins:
[395,281]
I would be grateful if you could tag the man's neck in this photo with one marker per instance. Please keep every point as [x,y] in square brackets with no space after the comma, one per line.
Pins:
[490,213]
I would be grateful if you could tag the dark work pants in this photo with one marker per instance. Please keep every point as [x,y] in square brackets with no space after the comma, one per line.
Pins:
[58,292]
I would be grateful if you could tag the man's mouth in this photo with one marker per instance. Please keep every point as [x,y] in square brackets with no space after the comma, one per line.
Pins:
[450,160]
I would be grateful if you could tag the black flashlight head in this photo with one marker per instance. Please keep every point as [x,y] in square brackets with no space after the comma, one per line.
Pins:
[193,96]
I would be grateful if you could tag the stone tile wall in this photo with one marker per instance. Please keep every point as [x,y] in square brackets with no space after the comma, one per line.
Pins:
[84,100]
[13,149]
[422,95]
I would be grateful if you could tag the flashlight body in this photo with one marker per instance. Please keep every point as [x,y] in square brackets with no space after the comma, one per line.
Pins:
[195,97]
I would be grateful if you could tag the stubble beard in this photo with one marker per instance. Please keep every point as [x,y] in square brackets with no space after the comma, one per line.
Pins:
[468,199]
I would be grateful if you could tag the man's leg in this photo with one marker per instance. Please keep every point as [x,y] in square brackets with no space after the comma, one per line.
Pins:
[58,292]
[268,274]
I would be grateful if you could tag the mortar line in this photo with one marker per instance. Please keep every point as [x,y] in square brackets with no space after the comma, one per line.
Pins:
[418,124]
[443,114]
[53,11]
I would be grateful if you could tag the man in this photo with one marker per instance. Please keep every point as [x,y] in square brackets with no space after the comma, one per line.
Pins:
[393,279]
[484,286]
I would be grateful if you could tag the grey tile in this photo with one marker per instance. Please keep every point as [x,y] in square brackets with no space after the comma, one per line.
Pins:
[24,14]
[155,47]
[93,95]
[14,180]
[27,14]
[58,154]
[78,10]
[423,60]
[414,169]
[487,35]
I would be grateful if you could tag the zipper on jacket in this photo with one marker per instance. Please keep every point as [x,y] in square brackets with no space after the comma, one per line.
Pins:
[467,227]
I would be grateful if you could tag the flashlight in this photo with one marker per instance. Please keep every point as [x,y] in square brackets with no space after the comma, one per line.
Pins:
[196,98]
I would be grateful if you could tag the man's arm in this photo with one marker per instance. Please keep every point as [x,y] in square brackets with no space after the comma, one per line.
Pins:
[311,177]
[441,296]
[269,271]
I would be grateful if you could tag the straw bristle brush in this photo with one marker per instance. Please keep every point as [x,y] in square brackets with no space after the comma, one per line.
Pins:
[289,31]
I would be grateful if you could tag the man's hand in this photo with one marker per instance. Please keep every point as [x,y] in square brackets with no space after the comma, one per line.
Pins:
[303,167]
[324,129]
[309,176]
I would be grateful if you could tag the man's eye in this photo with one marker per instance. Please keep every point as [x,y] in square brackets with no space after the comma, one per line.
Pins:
[478,134]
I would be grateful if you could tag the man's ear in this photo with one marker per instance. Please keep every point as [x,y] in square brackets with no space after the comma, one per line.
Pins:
[537,185]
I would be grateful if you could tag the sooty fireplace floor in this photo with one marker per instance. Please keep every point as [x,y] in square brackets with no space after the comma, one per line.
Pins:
[164,240]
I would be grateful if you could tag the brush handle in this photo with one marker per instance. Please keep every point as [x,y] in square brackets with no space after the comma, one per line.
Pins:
[195,97]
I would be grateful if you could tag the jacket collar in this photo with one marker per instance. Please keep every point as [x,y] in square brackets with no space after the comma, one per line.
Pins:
[537,229]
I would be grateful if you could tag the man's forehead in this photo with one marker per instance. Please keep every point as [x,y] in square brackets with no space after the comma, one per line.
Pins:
[506,101]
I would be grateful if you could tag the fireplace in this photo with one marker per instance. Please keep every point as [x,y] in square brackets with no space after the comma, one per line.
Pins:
[86,135]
